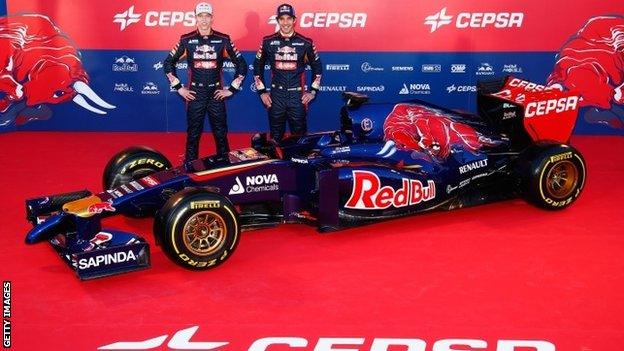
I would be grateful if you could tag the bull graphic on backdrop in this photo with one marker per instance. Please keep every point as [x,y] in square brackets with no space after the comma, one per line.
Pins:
[40,65]
[592,63]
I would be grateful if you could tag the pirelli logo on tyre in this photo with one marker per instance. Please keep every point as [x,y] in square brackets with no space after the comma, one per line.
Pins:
[561,157]
[143,161]
[199,205]
[203,264]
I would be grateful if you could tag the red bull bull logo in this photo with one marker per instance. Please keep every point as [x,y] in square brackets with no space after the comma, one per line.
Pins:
[592,63]
[415,127]
[100,207]
[41,67]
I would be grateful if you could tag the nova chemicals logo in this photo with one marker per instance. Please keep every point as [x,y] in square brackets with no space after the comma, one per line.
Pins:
[415,89]
[254,184]
[474,20]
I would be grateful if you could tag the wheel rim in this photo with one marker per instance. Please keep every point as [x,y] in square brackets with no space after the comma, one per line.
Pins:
[561,179]
[204,233]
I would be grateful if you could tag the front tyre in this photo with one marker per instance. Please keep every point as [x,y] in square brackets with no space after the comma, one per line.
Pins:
[197,229]
[131,164]
[556,176]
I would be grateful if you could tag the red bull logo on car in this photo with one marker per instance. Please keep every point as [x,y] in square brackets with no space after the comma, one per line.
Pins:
[368,194]
[100,207]
[42,66]
[416,127]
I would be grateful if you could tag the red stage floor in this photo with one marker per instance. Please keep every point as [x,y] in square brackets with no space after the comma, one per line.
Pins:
[503,271]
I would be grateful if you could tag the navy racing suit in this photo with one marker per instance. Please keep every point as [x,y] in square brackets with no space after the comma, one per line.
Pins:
[287,57]
[205,55]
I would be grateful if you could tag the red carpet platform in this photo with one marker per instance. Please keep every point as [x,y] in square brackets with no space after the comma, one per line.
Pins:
[505,271]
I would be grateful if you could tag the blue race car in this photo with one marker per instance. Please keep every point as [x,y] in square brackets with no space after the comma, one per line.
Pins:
[387,160]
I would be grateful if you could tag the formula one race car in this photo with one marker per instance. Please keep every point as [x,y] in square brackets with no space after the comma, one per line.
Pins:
[387,160]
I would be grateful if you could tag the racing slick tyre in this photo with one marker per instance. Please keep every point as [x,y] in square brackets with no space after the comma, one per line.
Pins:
[554,176]
[131,164]
[197,229]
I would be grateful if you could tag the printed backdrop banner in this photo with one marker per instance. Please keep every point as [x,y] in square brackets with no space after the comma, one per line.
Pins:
[392,51]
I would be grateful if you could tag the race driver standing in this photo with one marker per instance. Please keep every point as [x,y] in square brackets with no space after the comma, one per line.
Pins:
[205,49]
[287,52]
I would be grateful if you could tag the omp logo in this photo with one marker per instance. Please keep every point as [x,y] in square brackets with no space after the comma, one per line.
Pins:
[154,18]
[256,183]
[181,340]
[328,19]
[475,20]
[458,68]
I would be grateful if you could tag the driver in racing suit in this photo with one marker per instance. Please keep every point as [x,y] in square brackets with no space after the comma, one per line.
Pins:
[205,49]
[287,52]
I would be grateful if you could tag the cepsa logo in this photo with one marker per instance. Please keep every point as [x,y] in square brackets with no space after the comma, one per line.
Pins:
[181,340]
[328,19]
[154,18]
[475,20]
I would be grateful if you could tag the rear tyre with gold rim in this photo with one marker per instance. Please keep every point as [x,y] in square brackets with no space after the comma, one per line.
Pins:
[197,229]
[556,176]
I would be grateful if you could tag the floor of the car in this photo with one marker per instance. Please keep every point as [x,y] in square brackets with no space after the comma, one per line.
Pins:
[506,270]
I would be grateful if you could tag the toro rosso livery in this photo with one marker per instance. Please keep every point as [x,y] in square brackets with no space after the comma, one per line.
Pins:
[387,160]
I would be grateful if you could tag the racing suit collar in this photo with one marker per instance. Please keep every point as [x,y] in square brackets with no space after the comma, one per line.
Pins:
[284,36]
[204,35]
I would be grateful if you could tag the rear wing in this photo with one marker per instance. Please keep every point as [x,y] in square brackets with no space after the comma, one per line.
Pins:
[527,111]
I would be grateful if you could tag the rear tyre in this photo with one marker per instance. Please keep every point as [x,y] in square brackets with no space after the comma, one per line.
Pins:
[197,229]
[555,176]
[131,164]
